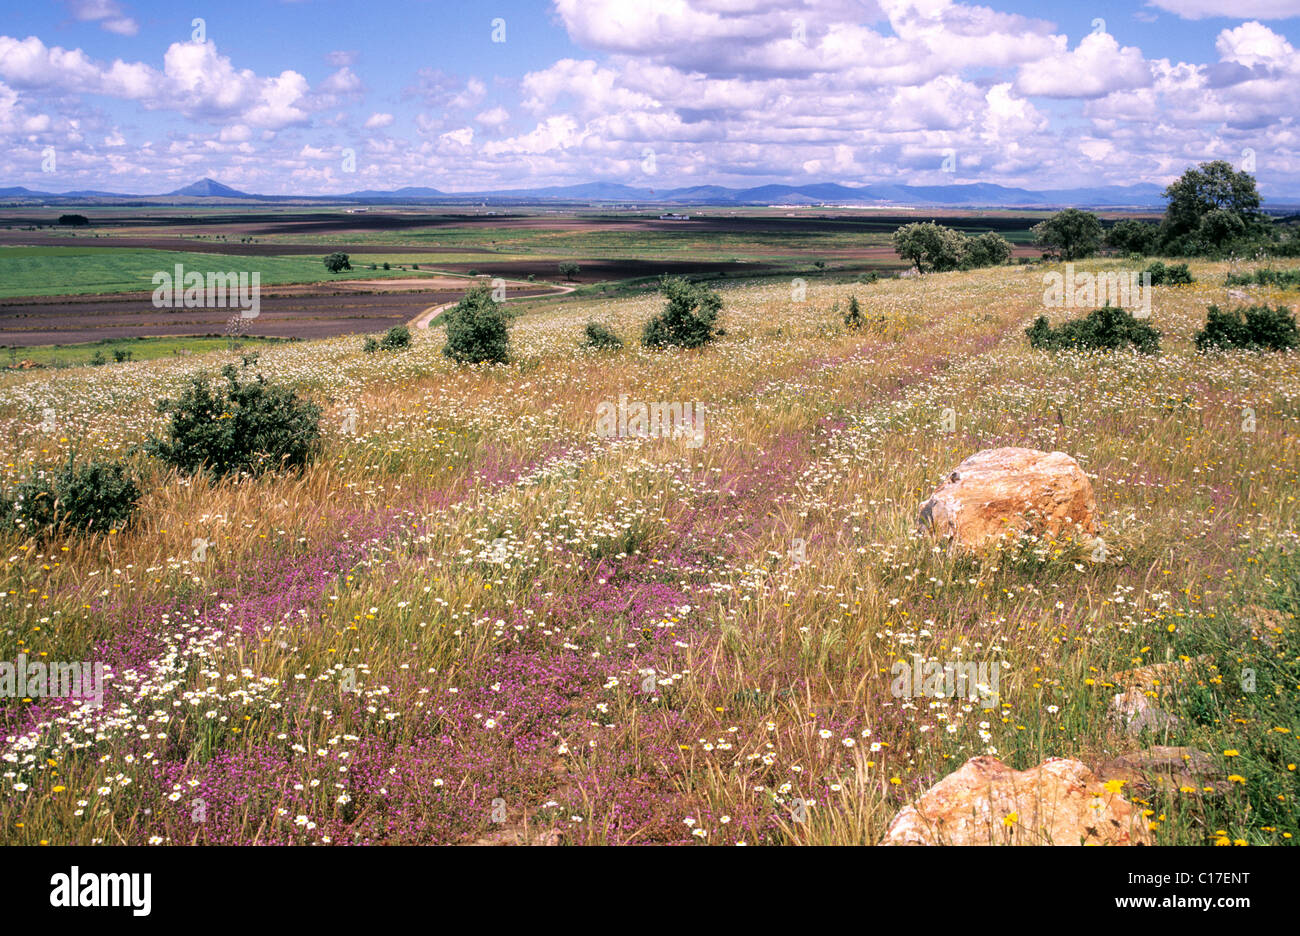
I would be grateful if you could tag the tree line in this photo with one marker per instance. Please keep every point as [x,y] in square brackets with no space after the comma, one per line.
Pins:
[1212,211]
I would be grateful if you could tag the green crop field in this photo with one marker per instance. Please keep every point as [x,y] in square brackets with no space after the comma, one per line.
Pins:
[137,349]
[67,271]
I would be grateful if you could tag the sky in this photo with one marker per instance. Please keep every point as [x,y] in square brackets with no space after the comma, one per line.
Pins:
[326,97]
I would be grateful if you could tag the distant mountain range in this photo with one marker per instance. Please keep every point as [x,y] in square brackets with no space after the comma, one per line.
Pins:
[883,194]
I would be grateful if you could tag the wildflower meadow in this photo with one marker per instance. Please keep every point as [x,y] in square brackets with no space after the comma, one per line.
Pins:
[490,606]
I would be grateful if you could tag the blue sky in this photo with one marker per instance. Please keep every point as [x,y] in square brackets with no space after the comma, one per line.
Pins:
[318,97]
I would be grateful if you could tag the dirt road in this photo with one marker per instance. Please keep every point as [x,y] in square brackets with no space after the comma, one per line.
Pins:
[428,315]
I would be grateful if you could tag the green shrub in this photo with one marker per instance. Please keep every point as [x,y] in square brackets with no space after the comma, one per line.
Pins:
[399,336]
[1070,234]
[687,320]
[1176,274]
[600,337]
[1132,237]
[396,338]
[1257,328]
[337,262]
[1102,329]
[476,330]
[854,318]
[97,495]
[243,425]
[569,270]
[932,248]
[1282,279]
[987,249]
[935,248]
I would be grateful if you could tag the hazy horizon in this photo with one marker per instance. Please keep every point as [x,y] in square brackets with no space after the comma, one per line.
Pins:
[138,98]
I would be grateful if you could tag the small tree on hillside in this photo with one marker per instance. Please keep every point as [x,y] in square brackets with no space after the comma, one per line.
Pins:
[1210,188]
[237,426]
[687,320]
[337,262]
[931,247]
[1131,236]
[988,249]
[1073,234]
[1218,229]
[569,270]
[476,330]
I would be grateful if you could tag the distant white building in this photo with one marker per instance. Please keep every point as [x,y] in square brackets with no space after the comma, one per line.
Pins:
[674,217]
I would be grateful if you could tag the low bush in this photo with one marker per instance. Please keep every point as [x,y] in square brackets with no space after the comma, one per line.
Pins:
[600,337]
[1282,279]
[1257,328]
[476,330]
[854,318]
[1104,329]
[395,339]
[236,426]
[1175,274]
[86,498]
[689,318]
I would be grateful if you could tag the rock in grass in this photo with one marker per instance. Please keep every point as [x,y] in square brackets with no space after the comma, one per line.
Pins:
[1266,624]
[1059,802]
[1008,491]
[1164,768]
[1136,712]
[1136,706]
[509,837]
[1159,677]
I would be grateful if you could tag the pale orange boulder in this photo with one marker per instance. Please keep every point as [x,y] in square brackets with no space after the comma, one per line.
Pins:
[1059,802]
[1007,491]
